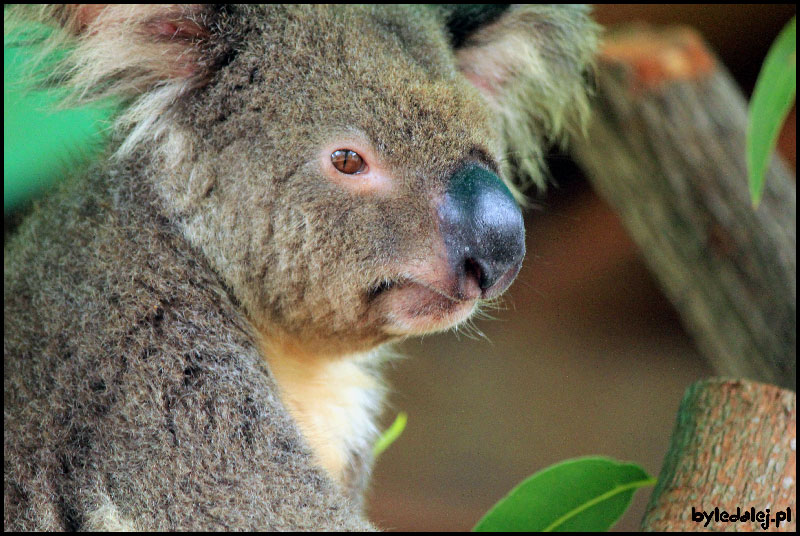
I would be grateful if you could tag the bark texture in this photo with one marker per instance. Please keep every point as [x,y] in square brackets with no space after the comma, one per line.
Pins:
[666,148]
[734,446]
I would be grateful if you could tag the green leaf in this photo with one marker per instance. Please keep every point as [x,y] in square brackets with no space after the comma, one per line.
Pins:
[582,494]
[772,99]
[391,434]
[40,142]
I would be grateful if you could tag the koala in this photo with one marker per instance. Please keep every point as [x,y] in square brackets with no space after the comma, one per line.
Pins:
[195,326]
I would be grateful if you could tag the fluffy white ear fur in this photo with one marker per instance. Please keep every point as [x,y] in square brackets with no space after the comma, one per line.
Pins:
[126,49]
[532,70]
[146,56]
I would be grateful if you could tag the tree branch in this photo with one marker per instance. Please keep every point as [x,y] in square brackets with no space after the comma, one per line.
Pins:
[666,149]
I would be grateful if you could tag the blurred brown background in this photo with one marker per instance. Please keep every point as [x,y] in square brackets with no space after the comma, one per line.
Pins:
[586,358]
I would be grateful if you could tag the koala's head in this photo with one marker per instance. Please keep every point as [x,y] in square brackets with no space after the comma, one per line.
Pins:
[341,167]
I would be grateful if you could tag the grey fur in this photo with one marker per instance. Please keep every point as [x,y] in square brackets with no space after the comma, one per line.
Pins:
[142,299]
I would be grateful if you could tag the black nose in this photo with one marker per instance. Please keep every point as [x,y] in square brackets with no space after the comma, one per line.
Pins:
[482,229]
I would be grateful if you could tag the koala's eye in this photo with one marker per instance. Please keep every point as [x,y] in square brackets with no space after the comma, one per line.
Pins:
[347,161]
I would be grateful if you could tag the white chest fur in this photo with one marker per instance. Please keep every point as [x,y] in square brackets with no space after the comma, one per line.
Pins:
[334,402]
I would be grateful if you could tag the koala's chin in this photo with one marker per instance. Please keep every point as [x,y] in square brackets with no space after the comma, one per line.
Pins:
[420,305]
[414,308]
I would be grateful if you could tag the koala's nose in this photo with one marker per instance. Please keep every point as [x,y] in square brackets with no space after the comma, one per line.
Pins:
[483,231]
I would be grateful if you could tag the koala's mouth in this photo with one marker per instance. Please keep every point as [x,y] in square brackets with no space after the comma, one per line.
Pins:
[379,288]
[411,307]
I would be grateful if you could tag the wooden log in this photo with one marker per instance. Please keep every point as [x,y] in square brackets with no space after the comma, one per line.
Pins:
[666,148]
[734,446]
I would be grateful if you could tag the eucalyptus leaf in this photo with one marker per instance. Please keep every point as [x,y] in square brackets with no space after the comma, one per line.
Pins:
[772,99]
[582,494]
[42,143]
[391,434]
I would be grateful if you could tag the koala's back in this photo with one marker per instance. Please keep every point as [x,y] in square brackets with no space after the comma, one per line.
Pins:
[133,387]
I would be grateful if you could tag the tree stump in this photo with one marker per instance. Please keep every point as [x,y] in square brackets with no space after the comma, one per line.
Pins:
[733,449]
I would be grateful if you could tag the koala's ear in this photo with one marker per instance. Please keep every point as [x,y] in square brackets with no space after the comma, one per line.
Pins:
[127,49]
[530,63]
